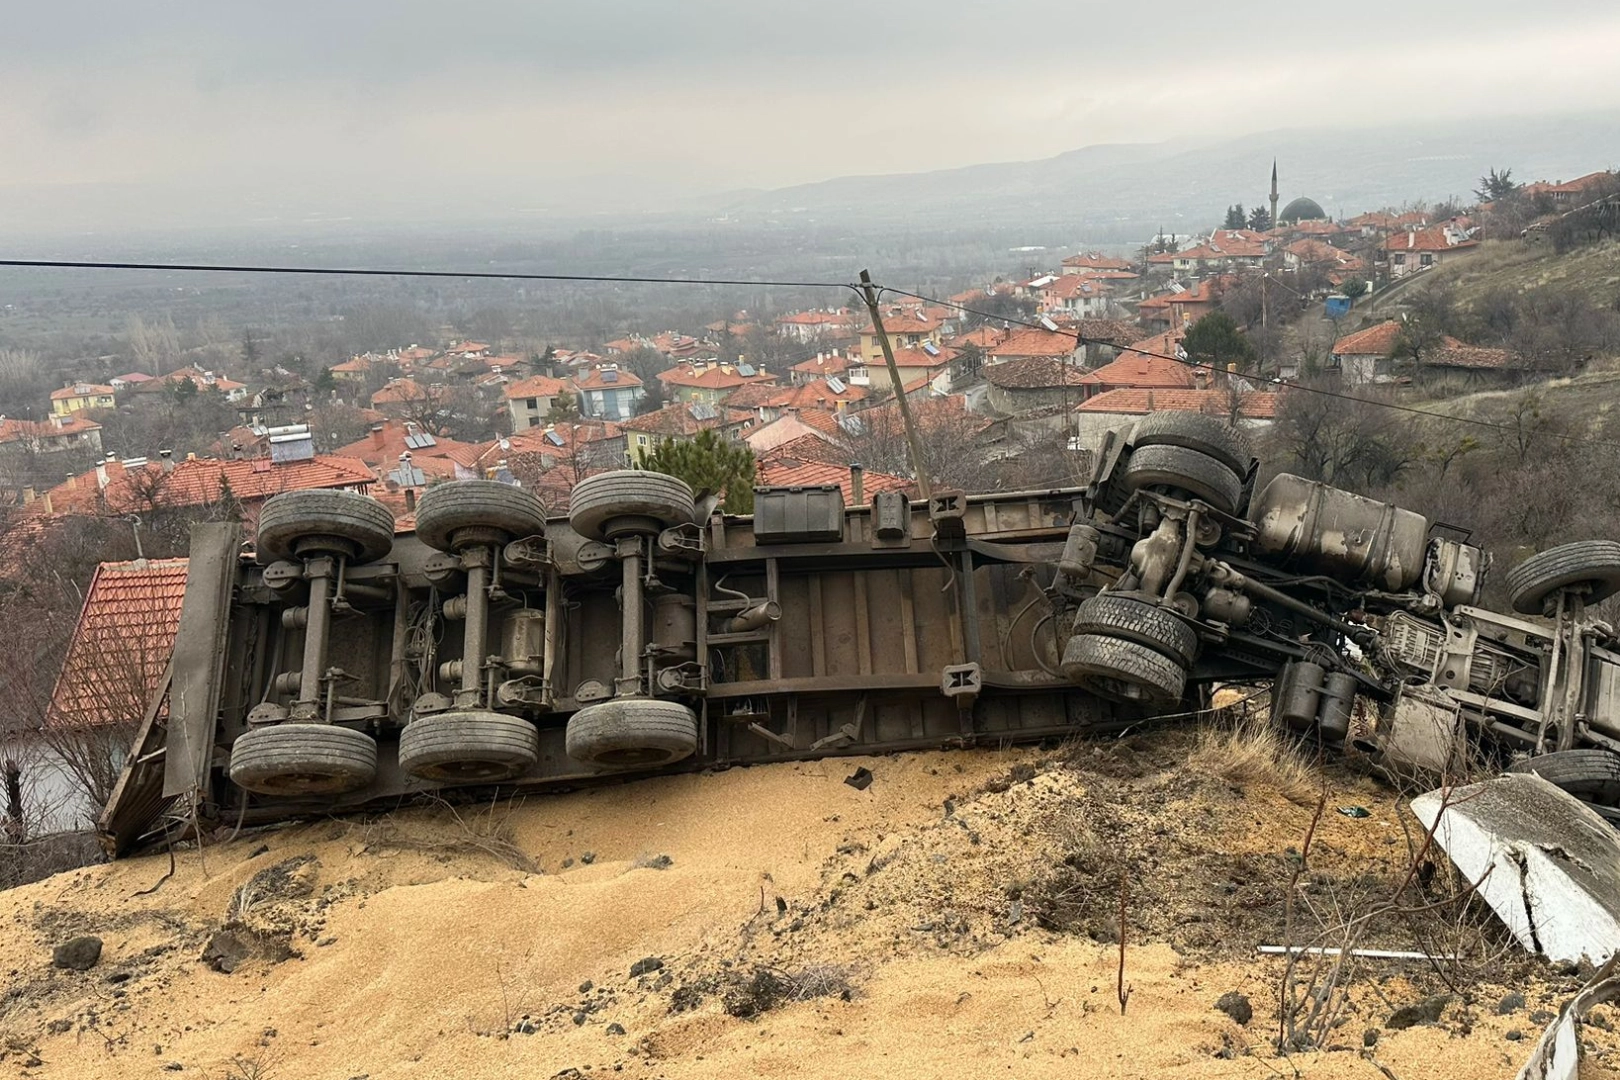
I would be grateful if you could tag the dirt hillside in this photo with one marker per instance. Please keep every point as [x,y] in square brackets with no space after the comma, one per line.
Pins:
[959,916]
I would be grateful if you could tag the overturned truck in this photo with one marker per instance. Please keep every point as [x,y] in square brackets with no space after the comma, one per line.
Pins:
[337,665]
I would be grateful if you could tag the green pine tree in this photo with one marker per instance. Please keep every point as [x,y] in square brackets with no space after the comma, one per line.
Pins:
[712,463]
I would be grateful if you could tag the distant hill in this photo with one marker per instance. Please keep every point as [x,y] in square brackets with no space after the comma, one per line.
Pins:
[1127,191]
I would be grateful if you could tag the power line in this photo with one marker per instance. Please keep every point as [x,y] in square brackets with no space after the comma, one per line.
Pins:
[1081,339]
[333,271]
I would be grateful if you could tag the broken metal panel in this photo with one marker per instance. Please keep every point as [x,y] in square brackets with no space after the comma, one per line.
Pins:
[1421,731]
[200,650]
[1557,1055]
[1545,862]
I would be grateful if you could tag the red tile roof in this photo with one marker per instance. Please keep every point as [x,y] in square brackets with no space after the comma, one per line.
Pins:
[121,645]
[1027,343]
[78,390]
[719,377]
[61,427]
[920,358]
[382,448]
[535,386]
[201,482]
[593,380]
[1033,373]
[780,468]
[1458,354]
[1435,238]
[823,365]
[813,395]
[1135,369]
[1094,261]
[673,419]
[1376,340]
[1135,401]
[399,392]
[985,337]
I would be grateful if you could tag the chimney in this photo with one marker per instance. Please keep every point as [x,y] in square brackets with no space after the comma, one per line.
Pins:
[857,483]
[410,500]
[101,473]
[28,495]
[73,480]
[377,436]
[191,457]
[168,460]
[46,499]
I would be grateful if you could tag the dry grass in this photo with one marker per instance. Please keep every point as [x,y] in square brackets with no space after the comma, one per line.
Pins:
[1250,751]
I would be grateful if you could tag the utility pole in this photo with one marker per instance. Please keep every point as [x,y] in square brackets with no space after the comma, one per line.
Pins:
[869,294]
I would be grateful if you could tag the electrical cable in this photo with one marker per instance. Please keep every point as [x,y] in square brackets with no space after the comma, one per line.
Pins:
[334,271]
[1081,339]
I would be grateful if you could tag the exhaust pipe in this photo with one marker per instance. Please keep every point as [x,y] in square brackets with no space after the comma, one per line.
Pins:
[766,611]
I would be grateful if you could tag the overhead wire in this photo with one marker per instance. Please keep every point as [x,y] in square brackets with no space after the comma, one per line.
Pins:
[1082,339]
[350,271]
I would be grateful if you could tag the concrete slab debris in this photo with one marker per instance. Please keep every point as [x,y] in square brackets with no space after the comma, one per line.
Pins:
[1545,862]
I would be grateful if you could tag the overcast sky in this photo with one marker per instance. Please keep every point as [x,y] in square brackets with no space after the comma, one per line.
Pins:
[484,99]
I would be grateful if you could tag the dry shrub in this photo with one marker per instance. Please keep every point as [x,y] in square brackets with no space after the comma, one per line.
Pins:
[767,987]
[1252,752]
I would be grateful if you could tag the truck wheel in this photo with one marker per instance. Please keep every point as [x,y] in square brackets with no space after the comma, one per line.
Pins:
[1186,470]
[468,747]
[1196,431]
[320,522]
[632,733]
[628,500]
[303,759]
[461,513]
[1114,615]
[1590,565]
[1590,775]
[1123,670]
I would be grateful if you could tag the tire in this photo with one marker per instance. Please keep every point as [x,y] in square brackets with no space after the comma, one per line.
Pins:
[1590,564]
[303,759]
[1177,467]
[1590,775]
[468,747]
[632,733]
[463,512]
[1126,617]
[329,522]
[1123,670]
[628,500]
[1196,431]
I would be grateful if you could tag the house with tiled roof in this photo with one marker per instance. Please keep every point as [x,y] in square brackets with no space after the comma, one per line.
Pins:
[1149,365]
[984,338]
[1309,251]
[1091,261]
[927,365]
[1077,296]
[675,422]
[819,366]
[402,397]
[352,370]
[1181,305]
[1119,408]
[812,462]
[80,396]
[1026,383]
[1225,249]
[1023,344]
[709,382]
[808,327]
[205,380]
[1568,193]
[1363,356]
[49,436]
[549,461]
[607,392]
[129,379]
[114,665]
[793,425]
[906,330]
[136,485]
[1415,249]
[395,445]
[529,401]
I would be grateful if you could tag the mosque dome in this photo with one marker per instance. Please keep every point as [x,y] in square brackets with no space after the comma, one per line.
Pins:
[1302,209]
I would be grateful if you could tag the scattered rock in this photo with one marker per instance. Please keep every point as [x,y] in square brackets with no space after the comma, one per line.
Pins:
[118,977]
[526,1027]
[615,1029]
[586,986]
[59,1027]
[588,857]
[1543,1016]
[1514,1036]
[579,1019]
[1426,1011]
[685,999]
[1510,1003]
[654,862]
[226,951]
[1236,1006]
[646,966]
[860,779]
[173,1066]
[77,954]
[1369,1037]
[262,849]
